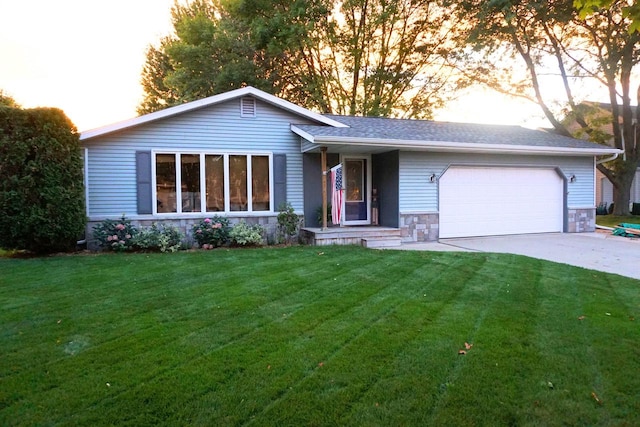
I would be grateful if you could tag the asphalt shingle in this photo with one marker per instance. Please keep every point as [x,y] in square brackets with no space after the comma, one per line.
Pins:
[426,130]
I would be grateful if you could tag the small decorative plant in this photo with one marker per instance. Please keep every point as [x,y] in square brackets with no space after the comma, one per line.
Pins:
[288,223]
[115,235]
[243,234]
[162,238]
[319,214]
[212,232]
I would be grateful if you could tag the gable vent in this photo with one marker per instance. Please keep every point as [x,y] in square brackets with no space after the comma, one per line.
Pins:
[247,107]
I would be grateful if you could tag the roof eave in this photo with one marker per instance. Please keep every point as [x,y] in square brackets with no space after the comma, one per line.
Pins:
[207,102]
[448,146]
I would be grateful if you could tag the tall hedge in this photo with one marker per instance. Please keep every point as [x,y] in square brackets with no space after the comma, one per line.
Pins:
[41,186]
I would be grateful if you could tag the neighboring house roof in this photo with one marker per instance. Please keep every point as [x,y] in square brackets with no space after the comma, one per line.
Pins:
[445,136]
[207,102]
[599,116]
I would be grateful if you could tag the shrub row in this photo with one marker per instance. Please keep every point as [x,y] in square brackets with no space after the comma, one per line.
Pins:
[121,235]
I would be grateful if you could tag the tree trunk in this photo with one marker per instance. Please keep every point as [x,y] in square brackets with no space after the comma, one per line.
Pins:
[622,192]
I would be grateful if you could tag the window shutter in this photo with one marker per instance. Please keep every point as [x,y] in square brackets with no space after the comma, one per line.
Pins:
[279,180]
[143,181]
[247,107]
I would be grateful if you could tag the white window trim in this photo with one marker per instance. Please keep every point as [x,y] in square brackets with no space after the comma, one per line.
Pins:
[203,202]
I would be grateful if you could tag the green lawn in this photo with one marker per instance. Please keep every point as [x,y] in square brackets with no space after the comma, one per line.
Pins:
[316,336]
[613,220]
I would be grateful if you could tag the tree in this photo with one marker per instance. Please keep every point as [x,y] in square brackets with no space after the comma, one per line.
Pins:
[364,57]
[588,7]
[41,183]
[539,50]
[7,101]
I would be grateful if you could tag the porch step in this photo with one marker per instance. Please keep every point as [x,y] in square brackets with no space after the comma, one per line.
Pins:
[381,242]
[349,235]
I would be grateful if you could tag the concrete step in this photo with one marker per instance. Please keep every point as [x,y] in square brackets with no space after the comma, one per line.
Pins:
[381,242]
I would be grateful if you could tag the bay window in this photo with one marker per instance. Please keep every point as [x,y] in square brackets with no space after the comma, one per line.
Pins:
[213,182]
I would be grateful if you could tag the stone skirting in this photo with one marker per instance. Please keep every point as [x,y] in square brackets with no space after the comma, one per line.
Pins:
[581,220]
[419,227]
[270,223]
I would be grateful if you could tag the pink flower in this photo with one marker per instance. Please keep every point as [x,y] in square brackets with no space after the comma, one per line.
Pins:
[199,231]
[122,242]
[120,227]
[217,225]
[114,237]
[109,238]
[207,220]
[128,236]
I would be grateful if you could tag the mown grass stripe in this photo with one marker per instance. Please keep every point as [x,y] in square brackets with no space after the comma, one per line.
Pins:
[230,337]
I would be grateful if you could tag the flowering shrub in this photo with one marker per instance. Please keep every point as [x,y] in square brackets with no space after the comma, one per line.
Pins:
[243,234]
[212,232]
[163,238]
[115,235]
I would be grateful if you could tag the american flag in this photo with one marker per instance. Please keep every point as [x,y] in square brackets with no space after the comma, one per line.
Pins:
[336,194]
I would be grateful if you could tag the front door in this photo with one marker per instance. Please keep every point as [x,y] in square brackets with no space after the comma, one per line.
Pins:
[356,191]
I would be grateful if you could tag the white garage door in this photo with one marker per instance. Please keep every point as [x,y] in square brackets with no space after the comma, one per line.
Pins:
[497,201]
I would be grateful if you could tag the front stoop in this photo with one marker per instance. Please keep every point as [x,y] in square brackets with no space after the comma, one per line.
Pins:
[357,235]
[381,243]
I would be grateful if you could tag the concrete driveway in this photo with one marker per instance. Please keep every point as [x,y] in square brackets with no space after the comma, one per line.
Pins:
[596,251]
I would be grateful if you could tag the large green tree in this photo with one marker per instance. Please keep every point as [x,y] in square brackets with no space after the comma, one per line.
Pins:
[41,184]
[546,52]
[365,57]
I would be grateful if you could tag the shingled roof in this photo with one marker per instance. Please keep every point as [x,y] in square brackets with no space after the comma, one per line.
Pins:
[426,133]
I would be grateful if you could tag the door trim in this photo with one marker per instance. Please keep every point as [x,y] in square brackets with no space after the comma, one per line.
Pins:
[367,177]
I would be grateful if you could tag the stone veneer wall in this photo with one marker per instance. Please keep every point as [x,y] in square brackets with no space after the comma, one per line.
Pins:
[581,220]
[270,223]
[419,227]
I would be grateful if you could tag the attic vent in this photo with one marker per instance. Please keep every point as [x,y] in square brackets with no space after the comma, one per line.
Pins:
[247,107]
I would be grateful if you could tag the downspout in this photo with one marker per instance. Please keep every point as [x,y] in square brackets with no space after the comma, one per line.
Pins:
[599,162]
[608,159]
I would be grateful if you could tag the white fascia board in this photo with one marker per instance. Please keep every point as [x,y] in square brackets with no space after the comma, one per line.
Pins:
[206,102]
[447,146]
[306,135]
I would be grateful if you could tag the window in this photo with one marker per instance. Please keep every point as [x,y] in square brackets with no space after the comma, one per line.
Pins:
[190,181]
[166,183]
[214,176]
[213,182]
[238,183]
[260,183]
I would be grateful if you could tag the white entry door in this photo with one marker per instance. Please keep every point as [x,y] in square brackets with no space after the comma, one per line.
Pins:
[488,201]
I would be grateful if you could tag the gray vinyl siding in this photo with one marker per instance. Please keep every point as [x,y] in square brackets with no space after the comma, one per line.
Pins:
[112,158]
[417,194]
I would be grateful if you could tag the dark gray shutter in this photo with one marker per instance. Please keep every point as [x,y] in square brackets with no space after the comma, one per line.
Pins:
[143,181]
[279,180]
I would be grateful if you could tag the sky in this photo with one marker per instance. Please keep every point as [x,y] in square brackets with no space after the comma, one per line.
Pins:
[86,57]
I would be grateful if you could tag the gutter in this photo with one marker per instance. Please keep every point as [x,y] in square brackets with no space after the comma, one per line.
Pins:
[420,145]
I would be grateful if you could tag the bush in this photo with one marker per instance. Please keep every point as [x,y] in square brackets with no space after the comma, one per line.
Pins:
[319,214]
[158,238]
[115,235]
[288,223]
[212,232]
[243,234]
[41,184]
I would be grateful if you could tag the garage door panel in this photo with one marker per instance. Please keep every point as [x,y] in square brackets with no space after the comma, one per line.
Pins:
[499,201]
